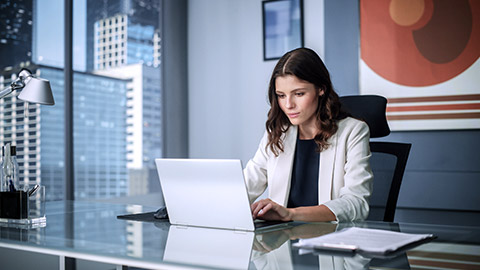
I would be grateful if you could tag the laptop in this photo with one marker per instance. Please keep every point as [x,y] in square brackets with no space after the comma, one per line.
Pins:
[208,193]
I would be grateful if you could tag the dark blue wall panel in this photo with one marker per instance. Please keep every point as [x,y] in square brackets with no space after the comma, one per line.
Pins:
[341,44]
[443,170]
[440,190]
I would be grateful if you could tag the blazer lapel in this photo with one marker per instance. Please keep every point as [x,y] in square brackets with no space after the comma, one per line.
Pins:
[325,175]
[280,184]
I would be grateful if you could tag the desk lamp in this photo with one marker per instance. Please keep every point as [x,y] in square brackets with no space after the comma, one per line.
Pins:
[14,204]
[34,89]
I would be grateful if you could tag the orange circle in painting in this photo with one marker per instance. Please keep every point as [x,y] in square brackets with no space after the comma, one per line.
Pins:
[425,44]
[406,12]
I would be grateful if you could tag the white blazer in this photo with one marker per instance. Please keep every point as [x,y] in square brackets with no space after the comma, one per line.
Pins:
[344,179]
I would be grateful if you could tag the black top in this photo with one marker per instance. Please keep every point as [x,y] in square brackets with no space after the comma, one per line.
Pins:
[304,184]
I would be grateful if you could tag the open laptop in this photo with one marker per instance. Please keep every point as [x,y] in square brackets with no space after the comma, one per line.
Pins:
[208,193]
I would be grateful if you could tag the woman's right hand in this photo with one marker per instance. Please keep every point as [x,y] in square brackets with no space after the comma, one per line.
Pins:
[267,209]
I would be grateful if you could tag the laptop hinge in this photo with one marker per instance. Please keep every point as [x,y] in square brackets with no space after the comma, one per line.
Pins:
[239,229]
[181,225]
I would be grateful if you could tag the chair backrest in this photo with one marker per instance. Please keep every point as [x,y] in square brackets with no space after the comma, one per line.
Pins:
[371,109]
[401,152]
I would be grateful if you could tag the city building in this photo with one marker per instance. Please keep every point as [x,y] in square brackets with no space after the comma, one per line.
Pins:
[118,42]
[144,124]
[142,13]
[127,48]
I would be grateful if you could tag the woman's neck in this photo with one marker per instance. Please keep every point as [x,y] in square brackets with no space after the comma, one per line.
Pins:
[307,132]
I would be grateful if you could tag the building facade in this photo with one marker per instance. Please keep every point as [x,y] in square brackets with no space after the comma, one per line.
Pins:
[144,124]
[119,42]
[144,13]
[128,48]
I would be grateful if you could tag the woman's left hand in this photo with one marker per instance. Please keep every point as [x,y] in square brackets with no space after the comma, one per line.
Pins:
[269,210]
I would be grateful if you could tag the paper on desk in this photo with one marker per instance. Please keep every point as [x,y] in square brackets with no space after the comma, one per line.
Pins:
[361,239]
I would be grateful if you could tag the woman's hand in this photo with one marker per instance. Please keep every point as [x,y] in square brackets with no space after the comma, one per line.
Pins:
[269,210]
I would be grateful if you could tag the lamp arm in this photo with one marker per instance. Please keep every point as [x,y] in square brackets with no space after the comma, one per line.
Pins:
[6,91]
[19,83]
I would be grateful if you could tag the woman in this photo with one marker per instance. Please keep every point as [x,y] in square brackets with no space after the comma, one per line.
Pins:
[313,157]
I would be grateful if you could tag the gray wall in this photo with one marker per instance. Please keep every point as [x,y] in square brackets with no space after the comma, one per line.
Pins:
[226,82]
[228,79]
[443,170]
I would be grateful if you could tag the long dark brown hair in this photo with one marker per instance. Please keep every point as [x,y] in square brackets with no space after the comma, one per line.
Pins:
[306,65]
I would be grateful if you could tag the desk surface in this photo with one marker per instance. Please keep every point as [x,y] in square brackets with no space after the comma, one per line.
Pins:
[91,231]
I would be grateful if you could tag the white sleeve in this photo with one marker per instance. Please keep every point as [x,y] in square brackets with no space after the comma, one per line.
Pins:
[352,201]
[256,171]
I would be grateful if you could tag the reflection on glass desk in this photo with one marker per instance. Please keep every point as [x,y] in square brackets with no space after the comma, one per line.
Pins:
[209,247]
[91,231]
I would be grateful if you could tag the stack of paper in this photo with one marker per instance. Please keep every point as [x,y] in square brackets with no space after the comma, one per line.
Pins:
[364,240]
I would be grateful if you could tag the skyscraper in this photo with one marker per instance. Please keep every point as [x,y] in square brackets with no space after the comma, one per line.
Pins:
[128,47]
[119,42]
[139,12]
[144,124]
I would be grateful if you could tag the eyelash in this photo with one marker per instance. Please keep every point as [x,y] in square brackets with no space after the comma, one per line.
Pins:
[297,94]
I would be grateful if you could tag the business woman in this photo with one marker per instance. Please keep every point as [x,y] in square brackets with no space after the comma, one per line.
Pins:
[313,157]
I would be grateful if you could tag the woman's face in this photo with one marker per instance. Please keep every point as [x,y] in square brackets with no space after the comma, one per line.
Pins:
[298,99]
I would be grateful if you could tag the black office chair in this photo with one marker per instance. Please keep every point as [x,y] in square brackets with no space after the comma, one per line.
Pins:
[371,109]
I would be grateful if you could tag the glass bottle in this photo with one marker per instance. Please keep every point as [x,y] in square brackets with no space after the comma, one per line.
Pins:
[9,171]
[2,184]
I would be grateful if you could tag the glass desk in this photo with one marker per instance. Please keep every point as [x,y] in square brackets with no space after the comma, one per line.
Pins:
[91,231]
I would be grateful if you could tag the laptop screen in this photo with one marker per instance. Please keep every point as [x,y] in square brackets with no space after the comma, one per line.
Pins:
[205,193]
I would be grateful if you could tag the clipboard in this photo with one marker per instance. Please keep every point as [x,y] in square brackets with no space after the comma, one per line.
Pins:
[368,242]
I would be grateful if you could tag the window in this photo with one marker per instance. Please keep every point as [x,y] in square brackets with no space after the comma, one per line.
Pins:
[101,118]
[39,138]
